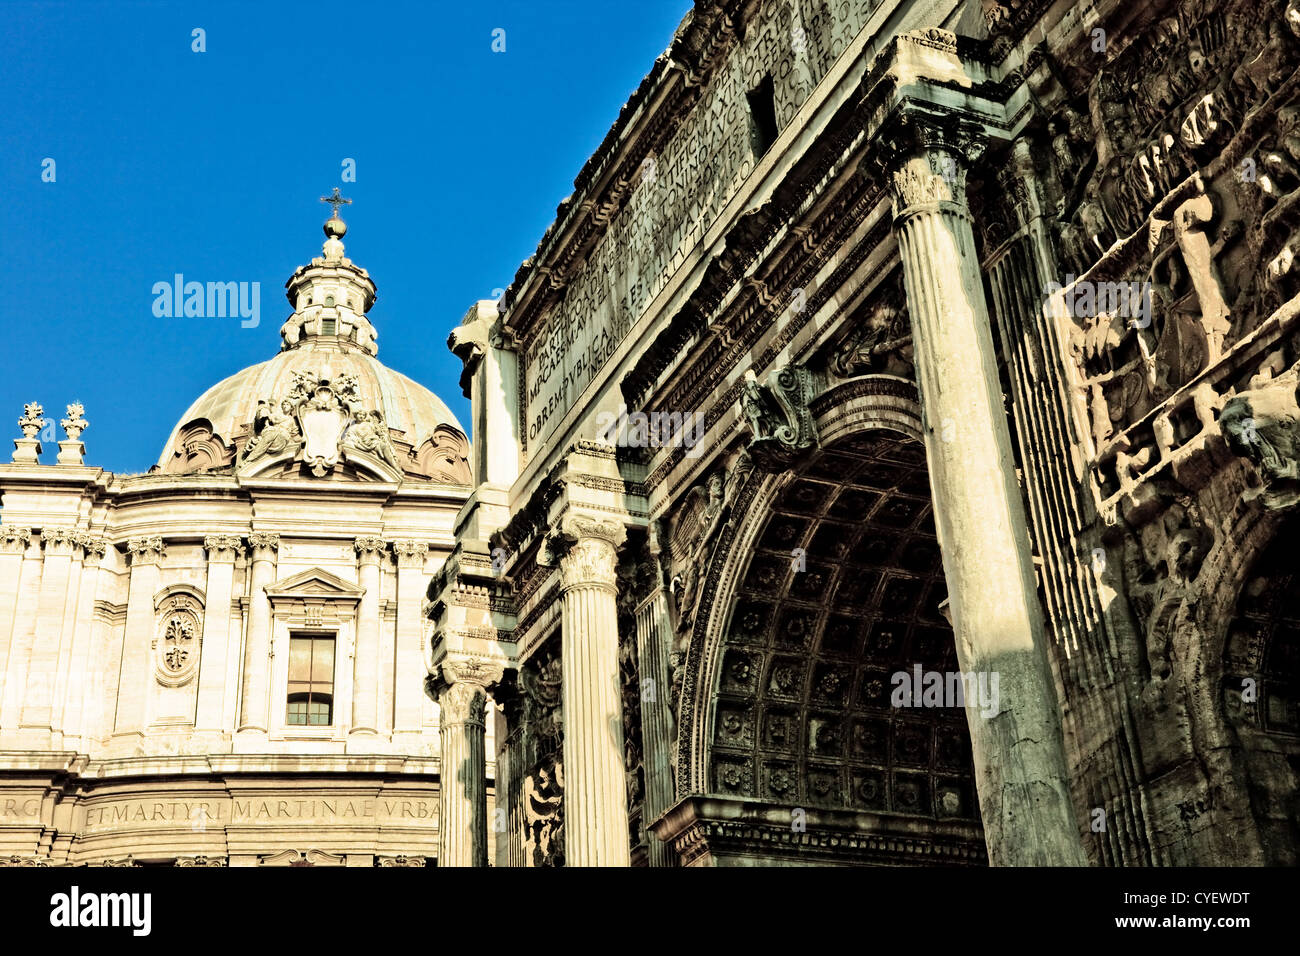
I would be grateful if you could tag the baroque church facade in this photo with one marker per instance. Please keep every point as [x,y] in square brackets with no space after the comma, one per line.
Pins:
[888,456]
[219,663]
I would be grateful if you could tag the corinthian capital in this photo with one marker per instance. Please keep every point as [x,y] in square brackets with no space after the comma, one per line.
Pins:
[60,540]
[586,550]
[410,552]
[263,542]
[925,154]
[95,548]
[145,550]
[223,547]
[460,684]
[462,703]
[14,540]
[370,549]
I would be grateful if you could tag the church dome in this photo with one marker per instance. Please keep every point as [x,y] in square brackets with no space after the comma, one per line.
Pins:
[325,405]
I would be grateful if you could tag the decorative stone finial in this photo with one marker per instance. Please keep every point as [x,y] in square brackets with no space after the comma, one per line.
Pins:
[32,420]
[28,448]
[72,451]
[76,422]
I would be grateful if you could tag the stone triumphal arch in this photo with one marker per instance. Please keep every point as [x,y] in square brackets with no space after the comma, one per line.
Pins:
[886,350]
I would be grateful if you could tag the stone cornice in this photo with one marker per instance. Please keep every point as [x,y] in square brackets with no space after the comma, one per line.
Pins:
[705,827]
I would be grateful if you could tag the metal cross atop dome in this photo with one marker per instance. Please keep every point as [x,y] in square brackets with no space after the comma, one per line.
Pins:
[336,200]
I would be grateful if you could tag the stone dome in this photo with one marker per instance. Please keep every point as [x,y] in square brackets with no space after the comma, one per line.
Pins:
[325,405]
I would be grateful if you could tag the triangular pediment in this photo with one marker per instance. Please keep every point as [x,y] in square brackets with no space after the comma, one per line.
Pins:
[315,582]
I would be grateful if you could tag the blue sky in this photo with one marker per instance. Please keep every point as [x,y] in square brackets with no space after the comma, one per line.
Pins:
[211,164]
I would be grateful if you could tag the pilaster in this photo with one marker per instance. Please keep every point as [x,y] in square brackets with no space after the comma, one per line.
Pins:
[223,550]
[15,581]
[145,555]
[254,710]
[365,663]
[411,585]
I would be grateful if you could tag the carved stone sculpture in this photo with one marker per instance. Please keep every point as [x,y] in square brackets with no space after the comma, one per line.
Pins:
[778,417]
[1263,425]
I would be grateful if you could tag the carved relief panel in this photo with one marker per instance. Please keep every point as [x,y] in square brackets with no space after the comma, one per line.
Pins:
[179,637]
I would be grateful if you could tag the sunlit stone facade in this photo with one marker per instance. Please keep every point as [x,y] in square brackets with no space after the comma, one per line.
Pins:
[890,346]
[221,662]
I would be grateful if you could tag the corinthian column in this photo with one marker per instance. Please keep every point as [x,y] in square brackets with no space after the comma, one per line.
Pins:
[365,661]
[461,690]
[1019,756]
[595,796]
[255,699]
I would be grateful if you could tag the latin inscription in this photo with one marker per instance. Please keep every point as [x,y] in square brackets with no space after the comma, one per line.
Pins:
[674,199]
[223,812]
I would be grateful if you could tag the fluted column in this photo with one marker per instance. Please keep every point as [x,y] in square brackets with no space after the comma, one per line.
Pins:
[595,796]
[461,690]
[652,631]
[1019,756]
[365,661]
[137,644]
[255,699]
[223,549]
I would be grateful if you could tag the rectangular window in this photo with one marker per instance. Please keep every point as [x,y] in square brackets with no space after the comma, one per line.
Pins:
[311,680]
[762,111]
[329,326]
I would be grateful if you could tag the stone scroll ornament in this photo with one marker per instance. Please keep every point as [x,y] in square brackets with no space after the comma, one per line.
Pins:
[778,416]
[319,418]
